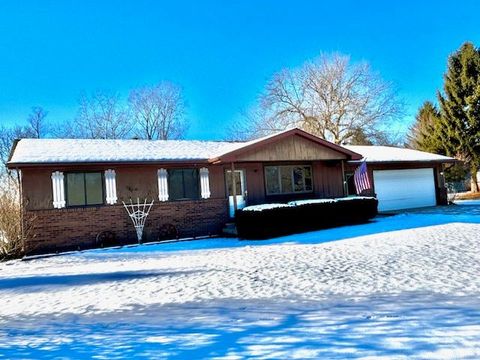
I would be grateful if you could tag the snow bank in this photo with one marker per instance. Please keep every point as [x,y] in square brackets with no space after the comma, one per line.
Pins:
[301,202]
[467,202]
[328,201]
[266,207]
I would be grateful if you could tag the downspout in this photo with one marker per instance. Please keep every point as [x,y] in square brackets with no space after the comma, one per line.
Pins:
[344,181]
[234,189]
[22,210]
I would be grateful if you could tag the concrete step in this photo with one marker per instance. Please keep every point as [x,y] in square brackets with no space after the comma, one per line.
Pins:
[230,229]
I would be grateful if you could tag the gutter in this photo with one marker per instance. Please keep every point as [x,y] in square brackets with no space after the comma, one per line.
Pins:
[446,161]
[14,165]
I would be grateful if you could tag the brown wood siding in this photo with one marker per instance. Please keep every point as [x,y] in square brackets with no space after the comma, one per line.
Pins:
[217,182]
[255,183]
[37,189]
[293,148]
[132,182]
[327,179]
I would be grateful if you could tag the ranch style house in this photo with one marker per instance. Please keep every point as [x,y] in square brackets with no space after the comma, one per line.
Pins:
[72,189]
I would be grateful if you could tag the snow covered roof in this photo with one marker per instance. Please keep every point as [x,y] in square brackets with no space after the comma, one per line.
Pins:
[43,151]
[54,151]
[395,154]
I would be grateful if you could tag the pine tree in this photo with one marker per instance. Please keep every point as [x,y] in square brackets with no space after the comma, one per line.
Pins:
[460,108]
[425,134]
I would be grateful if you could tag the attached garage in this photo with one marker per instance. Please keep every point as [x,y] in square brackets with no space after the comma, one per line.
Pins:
[402,178]
[404,189]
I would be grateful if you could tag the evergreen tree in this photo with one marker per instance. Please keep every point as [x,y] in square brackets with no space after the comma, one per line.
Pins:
[425,134]
[460,108]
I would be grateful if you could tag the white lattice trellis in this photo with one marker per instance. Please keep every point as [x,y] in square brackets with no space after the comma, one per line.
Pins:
[138,213]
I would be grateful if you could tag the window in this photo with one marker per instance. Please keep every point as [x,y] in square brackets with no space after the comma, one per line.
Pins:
[84,189]
[183,184]
[288,179]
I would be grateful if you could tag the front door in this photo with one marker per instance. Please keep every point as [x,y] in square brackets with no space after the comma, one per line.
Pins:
[240,190]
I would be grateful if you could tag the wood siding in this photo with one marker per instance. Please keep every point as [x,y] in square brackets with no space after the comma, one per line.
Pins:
[293,148]
[132,182]
[328,179]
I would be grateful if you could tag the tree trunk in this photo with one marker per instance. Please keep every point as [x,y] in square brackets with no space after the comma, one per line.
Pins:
[474,181]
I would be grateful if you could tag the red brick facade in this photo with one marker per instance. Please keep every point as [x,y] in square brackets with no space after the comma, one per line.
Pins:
[77,228]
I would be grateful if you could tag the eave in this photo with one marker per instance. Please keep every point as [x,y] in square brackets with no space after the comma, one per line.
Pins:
[12,165]
[446,161]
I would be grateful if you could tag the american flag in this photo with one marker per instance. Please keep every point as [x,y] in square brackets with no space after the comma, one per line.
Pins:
[362,182]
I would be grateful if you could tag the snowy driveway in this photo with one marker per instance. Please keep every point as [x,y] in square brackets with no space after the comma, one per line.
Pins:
[401,287]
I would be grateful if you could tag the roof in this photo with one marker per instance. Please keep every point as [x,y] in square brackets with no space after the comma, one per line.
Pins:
[69,151]
[47,151]
[383,154]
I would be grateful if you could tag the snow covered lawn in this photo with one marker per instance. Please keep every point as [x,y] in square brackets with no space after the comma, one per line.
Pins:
[400,287]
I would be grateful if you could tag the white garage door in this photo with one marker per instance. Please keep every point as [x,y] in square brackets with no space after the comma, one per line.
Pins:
[404,189]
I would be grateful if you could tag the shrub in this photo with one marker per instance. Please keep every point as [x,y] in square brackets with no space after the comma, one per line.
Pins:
[11,234]
[268,221]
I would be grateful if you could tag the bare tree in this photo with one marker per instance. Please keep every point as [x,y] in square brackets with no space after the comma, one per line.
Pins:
[36,121]
[8,136]
[329,97]
[101,116]
[158,111]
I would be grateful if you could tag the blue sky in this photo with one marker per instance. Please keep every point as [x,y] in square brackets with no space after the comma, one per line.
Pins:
[221,53]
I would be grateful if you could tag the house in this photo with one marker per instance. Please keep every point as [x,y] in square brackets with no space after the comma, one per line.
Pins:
[73,190]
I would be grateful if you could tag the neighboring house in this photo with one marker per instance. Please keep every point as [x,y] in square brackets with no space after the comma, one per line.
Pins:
[73,190]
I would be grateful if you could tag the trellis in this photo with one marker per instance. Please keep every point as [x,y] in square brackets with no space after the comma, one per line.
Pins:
[138,213]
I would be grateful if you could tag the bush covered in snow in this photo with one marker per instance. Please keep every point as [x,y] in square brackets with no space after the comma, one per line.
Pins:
[270,221]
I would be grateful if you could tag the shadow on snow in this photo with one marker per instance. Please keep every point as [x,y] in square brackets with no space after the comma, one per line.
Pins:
[32,283]
[419,325]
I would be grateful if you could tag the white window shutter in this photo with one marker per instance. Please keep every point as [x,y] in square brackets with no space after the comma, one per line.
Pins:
[204,183]
[110,187]
[162,185]
[58,188]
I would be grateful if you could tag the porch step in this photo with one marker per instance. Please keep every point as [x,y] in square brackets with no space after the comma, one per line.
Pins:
[230,229]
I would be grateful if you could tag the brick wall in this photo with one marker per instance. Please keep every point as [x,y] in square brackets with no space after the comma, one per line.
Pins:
[77,228]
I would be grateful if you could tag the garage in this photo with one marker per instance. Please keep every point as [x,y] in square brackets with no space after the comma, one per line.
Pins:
[404,189]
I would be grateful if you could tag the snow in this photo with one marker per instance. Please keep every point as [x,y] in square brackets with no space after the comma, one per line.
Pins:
[323,201]
[300,202]
[468,202]
[265,207]
[101,150]
[312,201]
[393,154]
[403,286]
[83,150]
[28,151]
